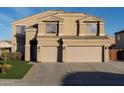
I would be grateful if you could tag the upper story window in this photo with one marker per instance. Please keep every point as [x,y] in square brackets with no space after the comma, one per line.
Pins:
[51,27]
[118,37]
[20,29]
[91,28]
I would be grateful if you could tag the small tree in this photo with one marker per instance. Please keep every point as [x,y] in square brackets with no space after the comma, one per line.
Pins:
[4,69]
[5,58]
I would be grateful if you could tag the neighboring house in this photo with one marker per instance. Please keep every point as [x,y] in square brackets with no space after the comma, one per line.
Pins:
[117,53]
[5,46]
[119,39]
[112,40]
[58,36]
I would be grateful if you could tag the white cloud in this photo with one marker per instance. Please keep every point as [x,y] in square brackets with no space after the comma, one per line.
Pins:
[6,19]
[5,32]
[4,27]
[22,11]
[5,22]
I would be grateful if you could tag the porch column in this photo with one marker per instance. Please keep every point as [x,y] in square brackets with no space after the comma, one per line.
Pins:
[14,47]
[106,54]
[101,29]
[38,53]
[41,28]
[14,39]
[27,52]
[27,42]
[64,54]
[61,30]
[82,29]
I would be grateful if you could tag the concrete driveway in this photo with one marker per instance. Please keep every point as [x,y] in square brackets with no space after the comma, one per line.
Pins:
[111,73]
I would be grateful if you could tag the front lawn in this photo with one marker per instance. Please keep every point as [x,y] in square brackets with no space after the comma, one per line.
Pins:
[18,70]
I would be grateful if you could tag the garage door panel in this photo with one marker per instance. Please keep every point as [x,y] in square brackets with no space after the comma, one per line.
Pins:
[49,54]
[84,54]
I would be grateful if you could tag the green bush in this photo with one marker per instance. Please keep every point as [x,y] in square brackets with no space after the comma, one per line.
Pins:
[5,67]
[11,56]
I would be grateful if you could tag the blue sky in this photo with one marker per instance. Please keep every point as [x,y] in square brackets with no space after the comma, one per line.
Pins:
[113,17]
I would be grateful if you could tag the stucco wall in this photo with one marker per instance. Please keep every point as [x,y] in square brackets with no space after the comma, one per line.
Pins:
[67,27]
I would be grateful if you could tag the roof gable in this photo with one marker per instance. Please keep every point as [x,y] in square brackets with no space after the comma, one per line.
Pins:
[4,44]
[50,18]
[91,18]
[45,13]
[122,31]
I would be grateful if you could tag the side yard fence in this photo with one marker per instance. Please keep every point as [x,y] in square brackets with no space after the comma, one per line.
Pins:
[116,54]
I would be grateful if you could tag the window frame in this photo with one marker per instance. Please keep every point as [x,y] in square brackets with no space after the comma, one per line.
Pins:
[93,30]
[118,37]
[20,32]
[54,23]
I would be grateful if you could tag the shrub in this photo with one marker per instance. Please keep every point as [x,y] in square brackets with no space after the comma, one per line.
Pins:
[3,55]
[12,56]
[5,67]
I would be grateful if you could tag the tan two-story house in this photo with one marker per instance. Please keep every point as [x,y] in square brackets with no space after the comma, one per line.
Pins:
[58,36]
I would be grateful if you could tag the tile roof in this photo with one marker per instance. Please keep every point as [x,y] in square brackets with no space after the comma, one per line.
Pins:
[122,31]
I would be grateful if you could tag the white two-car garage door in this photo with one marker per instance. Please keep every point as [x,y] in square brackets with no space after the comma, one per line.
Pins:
[84,54]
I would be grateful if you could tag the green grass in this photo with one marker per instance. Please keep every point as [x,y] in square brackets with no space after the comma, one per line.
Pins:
[19,69]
